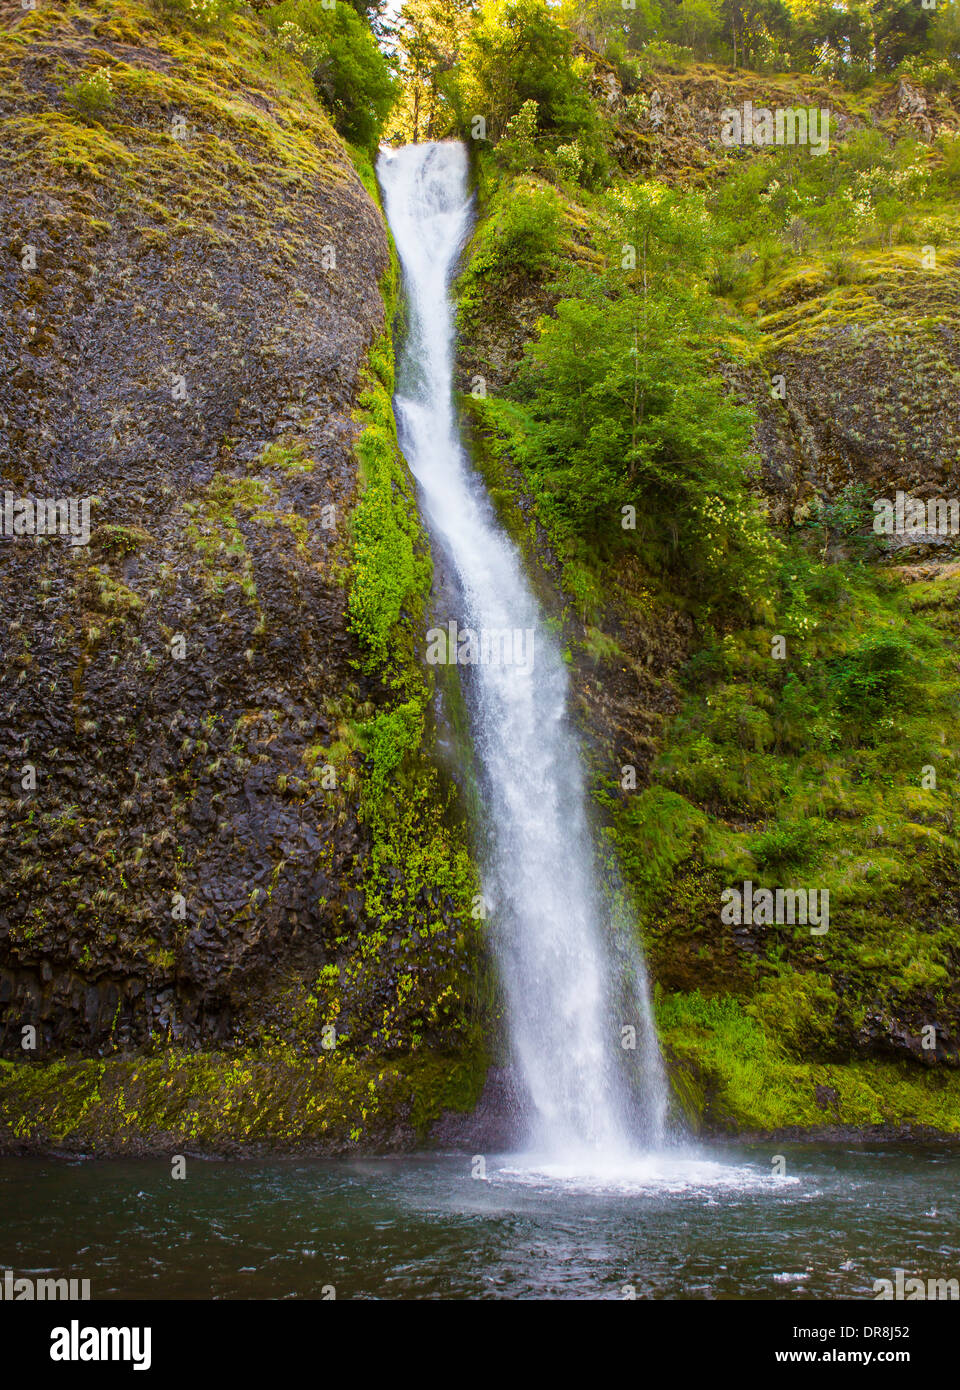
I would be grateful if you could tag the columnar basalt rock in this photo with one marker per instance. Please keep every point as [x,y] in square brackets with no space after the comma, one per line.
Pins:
[190,287]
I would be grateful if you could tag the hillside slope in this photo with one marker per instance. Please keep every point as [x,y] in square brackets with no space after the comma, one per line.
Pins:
[719,758]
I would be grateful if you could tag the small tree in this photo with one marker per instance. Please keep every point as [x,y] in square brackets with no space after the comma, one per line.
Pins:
[840,519]
[518,145]
[91,93]
[352,76]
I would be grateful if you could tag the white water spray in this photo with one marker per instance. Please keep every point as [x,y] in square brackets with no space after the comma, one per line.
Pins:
[572,975]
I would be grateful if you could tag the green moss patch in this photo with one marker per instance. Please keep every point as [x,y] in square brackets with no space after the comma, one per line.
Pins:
[732,1076]
[220,1102]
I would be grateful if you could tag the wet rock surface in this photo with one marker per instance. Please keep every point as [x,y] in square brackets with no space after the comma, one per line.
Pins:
[499,1124]
[187,356]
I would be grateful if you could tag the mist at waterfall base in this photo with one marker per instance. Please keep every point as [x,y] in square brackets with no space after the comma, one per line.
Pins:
[570,969]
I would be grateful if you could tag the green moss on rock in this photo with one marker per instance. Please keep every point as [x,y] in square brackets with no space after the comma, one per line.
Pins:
[271,1099]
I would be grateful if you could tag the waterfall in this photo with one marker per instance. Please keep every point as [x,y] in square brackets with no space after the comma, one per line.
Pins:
[572,973]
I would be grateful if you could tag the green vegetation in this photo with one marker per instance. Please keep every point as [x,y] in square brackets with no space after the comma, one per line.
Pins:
[785,695]
[733,1075]
[628,326]
[392,570]
[273,1098]
[642,422]
[419,868]
[91,93]
[351,74]
[457,63]
[520,238]
[516,52]
[635,446]
[844,215]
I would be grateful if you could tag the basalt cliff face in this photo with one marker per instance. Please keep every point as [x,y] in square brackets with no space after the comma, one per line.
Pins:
[191,289]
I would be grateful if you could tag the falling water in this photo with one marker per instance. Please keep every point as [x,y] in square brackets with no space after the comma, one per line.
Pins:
[572,975]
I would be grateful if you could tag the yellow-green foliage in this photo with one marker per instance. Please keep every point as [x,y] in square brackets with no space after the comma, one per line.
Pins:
[216,1101]
[391,563]
[288,455]
[491,459]
[656,831]
[731,1074]
[252,135]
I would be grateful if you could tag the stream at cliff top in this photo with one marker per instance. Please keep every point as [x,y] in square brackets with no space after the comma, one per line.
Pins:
[422,1227]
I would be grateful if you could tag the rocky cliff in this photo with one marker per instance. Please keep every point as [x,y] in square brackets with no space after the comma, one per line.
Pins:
[712,763]
[202,857]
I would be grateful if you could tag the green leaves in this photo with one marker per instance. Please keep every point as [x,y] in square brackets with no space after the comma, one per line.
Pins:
[877,677]
[351,74]
[520,238]
[641,418]
[518,52]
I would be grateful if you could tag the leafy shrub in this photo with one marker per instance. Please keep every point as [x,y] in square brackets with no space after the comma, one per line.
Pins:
[570,161]
[296,41]
[734,718]
[857,196]
[641,419]
[528,233]
[787,844]
[937,73]
[517,51]
[91,93]
[876,677]
[518,147]
[838,520]
[520,239]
